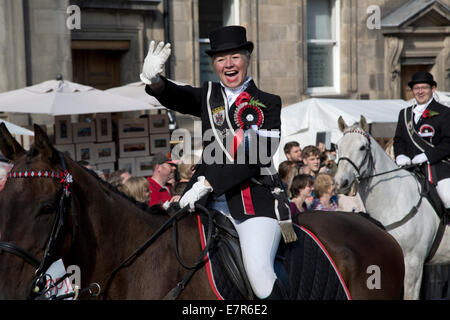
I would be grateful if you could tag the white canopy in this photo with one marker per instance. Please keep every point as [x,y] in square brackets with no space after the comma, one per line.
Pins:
[136,90]
[303,120]
[17,130]
[57,97]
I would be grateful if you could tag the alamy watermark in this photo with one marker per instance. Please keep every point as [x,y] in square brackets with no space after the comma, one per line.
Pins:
[374,18]
[374,280]
[252,146]
[73,20]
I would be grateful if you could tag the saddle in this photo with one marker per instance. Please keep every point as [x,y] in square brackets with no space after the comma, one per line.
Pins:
[303,267]
[429,191]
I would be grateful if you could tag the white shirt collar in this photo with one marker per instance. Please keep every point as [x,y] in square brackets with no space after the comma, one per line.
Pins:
[232,93]
[419,109]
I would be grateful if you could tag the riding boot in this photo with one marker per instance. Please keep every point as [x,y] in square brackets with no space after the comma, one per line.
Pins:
[279,291]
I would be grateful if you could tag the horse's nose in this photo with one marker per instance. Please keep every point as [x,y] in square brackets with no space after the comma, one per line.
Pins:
[342,184]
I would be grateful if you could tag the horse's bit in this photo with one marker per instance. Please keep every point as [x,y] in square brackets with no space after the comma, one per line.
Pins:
[64,177]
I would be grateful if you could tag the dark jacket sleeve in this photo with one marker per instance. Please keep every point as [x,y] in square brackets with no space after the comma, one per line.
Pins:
[184,99]
[223,177]
[400,134]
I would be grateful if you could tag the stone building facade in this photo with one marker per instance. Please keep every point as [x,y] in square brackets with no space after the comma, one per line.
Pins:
[365,49]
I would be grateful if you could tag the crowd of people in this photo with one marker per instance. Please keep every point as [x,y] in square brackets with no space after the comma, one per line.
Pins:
[165,185]
[308,176]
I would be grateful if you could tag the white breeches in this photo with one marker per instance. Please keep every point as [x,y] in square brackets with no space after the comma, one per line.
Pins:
[443,189]
[259,238]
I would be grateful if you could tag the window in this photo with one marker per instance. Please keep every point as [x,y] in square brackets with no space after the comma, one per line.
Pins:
[323,47]
[213,14]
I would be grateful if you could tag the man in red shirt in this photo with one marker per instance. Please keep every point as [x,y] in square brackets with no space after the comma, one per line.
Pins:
[163,171]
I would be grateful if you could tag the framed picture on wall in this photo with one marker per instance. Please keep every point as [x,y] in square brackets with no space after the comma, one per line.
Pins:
[63,130]
[144,166]
[130,128]
[83,132]
[105,152]
[85,152]
[135,147]
[67,149]
[158,123]
[103,127]
[107,168]
[159,143]
[128,164]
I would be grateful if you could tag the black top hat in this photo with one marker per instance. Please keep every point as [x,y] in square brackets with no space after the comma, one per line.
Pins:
[228,38]
[422,77]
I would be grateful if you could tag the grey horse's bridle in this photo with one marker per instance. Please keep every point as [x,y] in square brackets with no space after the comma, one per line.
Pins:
[367,157]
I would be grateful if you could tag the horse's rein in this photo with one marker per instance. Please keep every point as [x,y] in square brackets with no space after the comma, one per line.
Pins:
[359,178]
[172,294]
[368,151]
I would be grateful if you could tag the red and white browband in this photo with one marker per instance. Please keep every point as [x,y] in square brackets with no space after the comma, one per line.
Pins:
[63,177]
[357,130]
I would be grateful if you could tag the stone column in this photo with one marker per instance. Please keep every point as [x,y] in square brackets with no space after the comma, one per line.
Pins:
[12,46]
[393,47]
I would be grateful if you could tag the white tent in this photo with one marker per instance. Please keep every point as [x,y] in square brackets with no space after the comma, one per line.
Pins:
[303,120]
[440,96]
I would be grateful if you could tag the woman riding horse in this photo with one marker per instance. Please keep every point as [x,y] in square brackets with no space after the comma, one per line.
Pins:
[226,183]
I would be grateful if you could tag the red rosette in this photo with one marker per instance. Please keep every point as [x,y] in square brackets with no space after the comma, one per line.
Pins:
[247,115]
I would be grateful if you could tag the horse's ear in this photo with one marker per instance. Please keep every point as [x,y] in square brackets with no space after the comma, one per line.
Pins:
[9,146]
[363,123]
[43,144]
[341,123]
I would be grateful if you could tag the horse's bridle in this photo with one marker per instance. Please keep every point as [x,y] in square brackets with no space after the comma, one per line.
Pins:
[367,157]
[359,178]
[57,231]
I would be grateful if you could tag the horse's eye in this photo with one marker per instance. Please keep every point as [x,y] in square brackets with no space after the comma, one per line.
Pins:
[362,148]
[47,209]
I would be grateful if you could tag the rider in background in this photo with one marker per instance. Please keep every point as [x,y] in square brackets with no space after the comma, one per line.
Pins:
[237,189]
[422,136]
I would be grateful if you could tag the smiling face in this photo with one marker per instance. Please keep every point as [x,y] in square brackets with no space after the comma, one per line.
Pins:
[231,67]
[423,92]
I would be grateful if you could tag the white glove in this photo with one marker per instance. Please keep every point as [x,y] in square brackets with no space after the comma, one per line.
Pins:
[402,160]
[154,62]
[194,194]
[420,158]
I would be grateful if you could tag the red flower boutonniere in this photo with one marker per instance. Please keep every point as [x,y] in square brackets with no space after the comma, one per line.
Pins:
[429,113]
[244,97]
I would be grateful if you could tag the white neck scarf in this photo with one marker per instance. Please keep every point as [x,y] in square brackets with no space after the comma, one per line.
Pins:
[232,93]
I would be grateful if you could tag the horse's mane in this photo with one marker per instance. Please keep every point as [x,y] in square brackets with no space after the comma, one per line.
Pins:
[156,209]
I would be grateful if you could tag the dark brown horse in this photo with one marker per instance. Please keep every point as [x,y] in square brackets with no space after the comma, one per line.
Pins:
[100,228]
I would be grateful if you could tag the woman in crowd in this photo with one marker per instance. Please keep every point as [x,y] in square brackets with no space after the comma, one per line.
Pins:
[324,192]
[300,190]
[186,169]
[138,188]
[287,170]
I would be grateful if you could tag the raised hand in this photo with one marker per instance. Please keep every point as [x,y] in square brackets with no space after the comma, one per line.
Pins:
[154,62]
